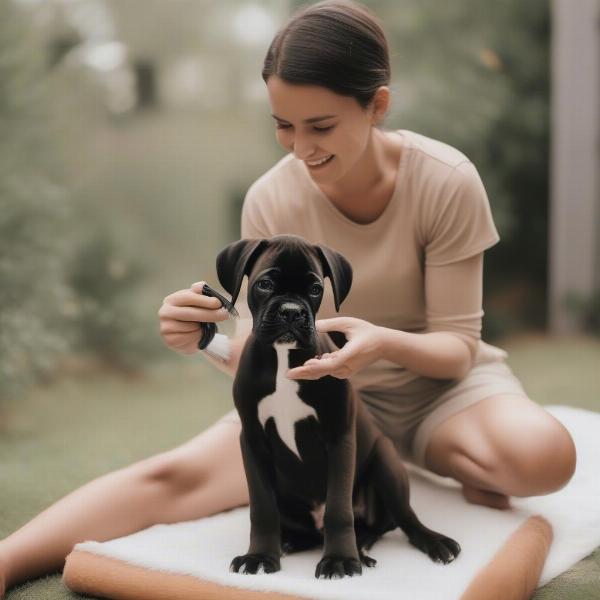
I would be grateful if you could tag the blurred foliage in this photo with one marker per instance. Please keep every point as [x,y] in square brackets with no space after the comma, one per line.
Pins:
[108,323]
[586,308]
[43,259]
[33,215]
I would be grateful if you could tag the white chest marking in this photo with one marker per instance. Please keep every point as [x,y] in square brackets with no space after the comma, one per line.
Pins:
[283,404]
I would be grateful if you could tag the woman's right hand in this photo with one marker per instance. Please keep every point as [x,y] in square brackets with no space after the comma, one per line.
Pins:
[181,314]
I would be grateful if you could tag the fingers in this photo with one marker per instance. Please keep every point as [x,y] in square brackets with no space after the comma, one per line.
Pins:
[183,343]
[191,305]
[198,286]
[333,324]
[329,364]
[182,312]
[170,326]
[192,313]
[189,297]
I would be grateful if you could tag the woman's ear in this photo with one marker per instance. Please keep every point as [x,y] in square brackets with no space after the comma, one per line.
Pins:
[380,104]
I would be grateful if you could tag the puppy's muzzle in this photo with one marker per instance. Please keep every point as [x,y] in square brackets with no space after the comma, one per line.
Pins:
[292,313]
[287,321]
[293,319]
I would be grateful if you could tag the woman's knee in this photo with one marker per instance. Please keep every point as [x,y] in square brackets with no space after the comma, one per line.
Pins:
[507,444]
[173,470]
[196,463]
[541,459]
[529,453]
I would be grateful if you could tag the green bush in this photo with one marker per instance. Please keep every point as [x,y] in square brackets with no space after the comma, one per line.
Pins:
[63,287]
[33,215]
[586,309]
[107,324]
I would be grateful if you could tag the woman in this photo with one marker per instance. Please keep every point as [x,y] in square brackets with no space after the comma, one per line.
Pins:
[411,215]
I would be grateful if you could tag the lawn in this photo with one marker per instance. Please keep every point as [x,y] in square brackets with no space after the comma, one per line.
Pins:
[65,433]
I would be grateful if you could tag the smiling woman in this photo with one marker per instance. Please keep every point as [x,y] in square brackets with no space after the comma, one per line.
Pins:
[327,74]
[331,153]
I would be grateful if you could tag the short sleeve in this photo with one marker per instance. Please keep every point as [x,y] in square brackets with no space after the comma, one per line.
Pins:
[459,222]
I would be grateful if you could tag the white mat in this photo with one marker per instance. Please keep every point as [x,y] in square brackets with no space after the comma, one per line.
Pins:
[204,548]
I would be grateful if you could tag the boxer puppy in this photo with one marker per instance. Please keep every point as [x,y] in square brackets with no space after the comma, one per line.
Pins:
[318,469]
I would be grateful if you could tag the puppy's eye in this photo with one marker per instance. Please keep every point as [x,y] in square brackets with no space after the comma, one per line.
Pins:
[265,285]
[315,289]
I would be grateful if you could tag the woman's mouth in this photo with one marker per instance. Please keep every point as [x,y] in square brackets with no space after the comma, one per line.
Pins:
[319,162]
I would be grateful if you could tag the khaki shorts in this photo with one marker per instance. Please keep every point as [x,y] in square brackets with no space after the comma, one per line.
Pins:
[409,414]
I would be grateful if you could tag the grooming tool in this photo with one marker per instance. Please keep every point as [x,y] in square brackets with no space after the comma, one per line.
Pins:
[212,342]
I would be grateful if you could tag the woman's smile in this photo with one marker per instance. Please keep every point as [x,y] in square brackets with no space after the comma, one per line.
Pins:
[319,162]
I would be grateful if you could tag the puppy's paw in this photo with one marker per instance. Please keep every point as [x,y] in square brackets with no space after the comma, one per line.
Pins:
[366,560]
[336,567]
[255,563]
[445,550]
[438,547]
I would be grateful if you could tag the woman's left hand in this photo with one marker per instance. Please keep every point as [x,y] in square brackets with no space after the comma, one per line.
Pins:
[364,346]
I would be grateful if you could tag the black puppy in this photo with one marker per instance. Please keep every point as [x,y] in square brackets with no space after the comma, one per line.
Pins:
[309,446]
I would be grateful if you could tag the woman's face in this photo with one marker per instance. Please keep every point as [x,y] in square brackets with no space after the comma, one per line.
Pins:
[319,125]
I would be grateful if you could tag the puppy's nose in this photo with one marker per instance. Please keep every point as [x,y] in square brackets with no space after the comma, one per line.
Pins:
[292,312]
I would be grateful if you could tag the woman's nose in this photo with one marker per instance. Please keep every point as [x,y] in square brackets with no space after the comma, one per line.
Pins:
[303,148]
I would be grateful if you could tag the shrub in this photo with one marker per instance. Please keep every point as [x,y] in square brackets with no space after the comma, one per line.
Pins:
[33,213]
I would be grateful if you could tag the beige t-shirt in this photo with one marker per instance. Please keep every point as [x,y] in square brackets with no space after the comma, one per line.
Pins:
[438,215]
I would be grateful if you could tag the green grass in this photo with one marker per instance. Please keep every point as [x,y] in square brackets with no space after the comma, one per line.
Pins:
[557,371]
[65,433]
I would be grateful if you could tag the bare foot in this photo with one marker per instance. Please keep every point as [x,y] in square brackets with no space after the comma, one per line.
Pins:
[485,498]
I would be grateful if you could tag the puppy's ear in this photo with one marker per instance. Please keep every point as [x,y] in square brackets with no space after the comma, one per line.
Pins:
[338,269]
[235,261]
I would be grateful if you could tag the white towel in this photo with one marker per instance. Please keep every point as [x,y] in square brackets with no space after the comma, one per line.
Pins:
[204,548]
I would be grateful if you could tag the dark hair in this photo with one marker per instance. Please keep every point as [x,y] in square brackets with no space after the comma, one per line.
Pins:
[337,44]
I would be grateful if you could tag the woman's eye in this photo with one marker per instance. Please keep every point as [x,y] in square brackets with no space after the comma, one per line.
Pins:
[265,285]
[316,129]
[315,289]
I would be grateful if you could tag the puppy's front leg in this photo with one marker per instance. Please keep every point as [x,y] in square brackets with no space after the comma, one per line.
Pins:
[265,538]
[340,555]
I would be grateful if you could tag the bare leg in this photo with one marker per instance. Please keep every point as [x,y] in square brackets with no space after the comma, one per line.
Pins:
[505,445]
[202,477]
